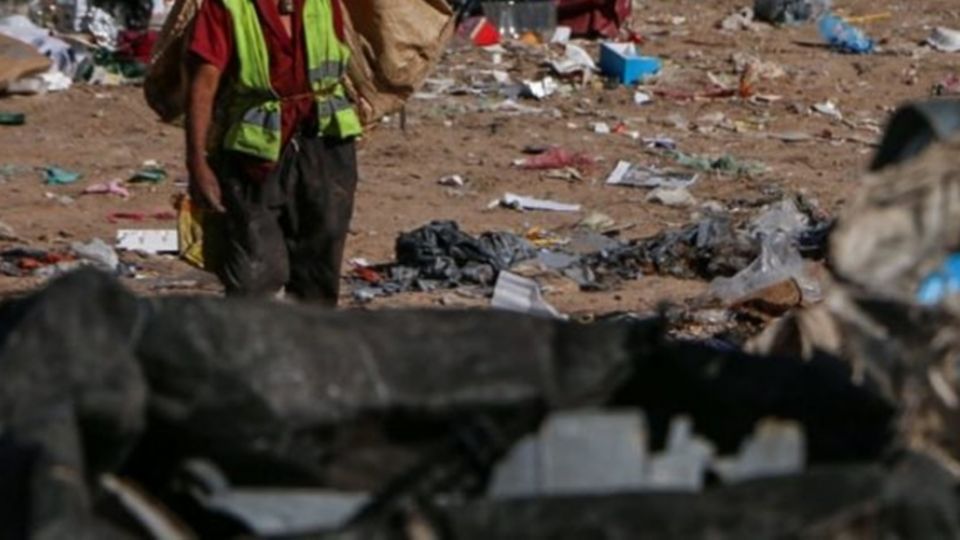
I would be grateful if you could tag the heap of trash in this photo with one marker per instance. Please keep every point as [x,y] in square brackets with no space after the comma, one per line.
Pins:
[191,417]
[55,44]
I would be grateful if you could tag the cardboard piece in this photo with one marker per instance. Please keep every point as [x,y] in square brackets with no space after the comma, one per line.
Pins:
[18,60]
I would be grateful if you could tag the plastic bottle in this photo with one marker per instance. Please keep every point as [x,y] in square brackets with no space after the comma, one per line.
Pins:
[844,37]
[944,282]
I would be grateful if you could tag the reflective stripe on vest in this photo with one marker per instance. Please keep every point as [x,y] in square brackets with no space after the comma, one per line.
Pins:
[268,120]
[327,71]
[328,57]
[255,109]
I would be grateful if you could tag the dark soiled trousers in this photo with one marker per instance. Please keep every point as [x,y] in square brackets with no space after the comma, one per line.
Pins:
[287,232]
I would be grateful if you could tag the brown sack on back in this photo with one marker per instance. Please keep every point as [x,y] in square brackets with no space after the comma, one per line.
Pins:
[395,44]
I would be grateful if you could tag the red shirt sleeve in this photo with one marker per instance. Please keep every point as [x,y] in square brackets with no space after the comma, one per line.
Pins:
[212,39]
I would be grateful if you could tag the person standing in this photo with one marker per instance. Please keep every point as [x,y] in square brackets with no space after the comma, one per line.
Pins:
[282,163]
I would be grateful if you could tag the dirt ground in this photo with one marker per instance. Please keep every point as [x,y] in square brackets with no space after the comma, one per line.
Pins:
[107,132]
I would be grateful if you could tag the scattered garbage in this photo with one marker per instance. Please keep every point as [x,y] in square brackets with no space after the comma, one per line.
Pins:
[51,81]
[673,197]
[944,282]
[568,174]
[65,59]
[19,60]
[150,173]
[513,19]
[790,12]
[628,174]
[200,235]
[479,31]
[562,35]
[12,119]
[752,67]
[726,164]
[642,98]
[113,187]
[555,158]
[622,62]
[949,86]
[597,221]
[659,143]
[521,295]
[717,246]
[22,261]
[64,200]
[828,108]
[520,202]
[778,261]
[436,429]
[102,26]
[945,39]
[844,37]
[7,233]
[440,255]
[159,215]
[97,252]
[575,60]
[55,176]
[541,89]
[742,19]
[452,180]
[153,241]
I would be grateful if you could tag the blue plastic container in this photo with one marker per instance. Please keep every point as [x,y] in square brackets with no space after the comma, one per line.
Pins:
[620,61]
[844,37]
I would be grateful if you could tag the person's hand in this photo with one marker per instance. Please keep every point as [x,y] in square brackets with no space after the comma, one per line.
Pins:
[205,188]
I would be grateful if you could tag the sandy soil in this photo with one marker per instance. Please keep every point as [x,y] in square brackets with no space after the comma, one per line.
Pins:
[106,133]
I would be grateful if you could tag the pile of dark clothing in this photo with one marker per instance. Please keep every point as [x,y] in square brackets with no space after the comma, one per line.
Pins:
[438,256]
[441,256]
[716,245]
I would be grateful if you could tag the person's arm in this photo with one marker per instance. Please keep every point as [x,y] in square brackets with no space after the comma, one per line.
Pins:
[204,82]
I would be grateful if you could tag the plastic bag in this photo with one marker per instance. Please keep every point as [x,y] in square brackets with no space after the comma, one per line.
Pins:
[779,261]
[200,235]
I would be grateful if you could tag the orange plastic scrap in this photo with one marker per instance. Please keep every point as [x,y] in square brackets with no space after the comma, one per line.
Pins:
[29,263]
[531,38]
[33,263]
[368,275]
[542,238]
[746,83]
[54,257]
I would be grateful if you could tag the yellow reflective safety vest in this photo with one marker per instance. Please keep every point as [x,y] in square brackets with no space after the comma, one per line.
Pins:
[254,111]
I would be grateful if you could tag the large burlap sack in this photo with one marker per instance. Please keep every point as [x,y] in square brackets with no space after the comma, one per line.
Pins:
[17,60]
[395,45]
